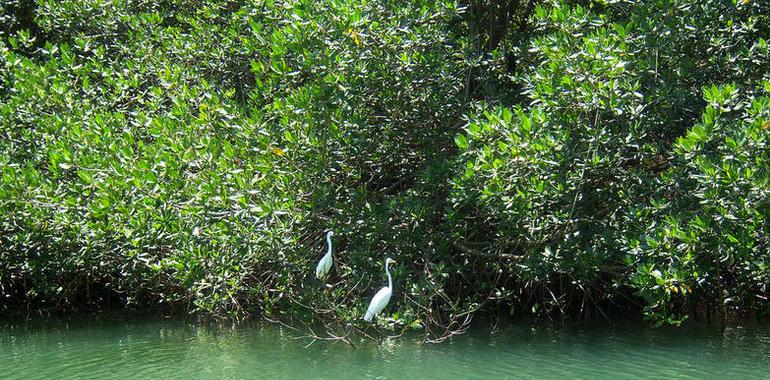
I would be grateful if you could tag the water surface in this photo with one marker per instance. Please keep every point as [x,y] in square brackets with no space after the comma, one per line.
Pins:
[130,348]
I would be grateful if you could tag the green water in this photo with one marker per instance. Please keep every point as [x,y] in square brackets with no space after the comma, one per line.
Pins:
[122,348]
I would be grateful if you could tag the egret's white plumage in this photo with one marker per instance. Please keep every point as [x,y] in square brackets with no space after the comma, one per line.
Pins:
[325,265]
[381,299]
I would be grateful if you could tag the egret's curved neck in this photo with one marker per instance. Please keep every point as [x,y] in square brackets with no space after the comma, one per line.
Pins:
[329,243]
[387,271]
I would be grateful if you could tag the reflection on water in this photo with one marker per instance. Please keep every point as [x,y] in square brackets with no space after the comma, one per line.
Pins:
[112,347]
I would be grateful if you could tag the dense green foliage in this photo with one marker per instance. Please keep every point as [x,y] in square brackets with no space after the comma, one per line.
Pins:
[513,156]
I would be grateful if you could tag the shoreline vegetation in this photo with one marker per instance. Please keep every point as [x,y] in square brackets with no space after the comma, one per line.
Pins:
[518,158]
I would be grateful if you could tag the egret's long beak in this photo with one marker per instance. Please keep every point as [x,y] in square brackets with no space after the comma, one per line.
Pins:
[393,262]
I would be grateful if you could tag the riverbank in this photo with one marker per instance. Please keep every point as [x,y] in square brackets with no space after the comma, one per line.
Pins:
[516,158]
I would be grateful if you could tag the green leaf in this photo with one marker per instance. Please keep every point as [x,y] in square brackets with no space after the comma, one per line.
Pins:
[461,141]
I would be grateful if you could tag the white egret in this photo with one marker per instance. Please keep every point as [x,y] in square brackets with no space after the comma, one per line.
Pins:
[380,300]
[322,270]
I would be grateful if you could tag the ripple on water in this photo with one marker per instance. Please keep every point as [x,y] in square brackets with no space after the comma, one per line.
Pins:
[179,350]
